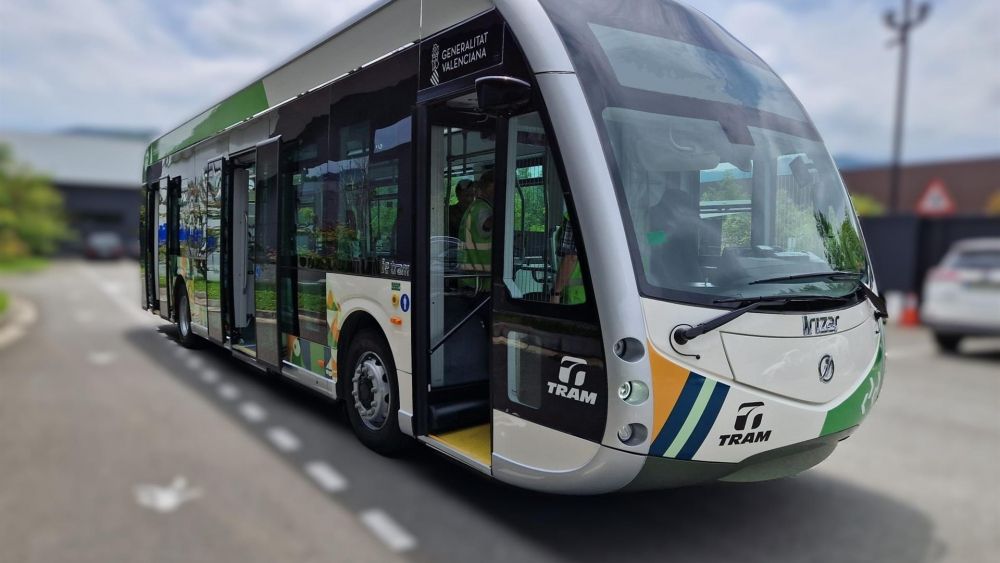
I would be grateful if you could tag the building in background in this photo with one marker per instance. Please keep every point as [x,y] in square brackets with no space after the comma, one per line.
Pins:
[972,186]
[96,171]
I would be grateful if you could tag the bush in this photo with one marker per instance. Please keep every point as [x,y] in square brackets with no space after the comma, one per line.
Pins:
[867,206]
[31,211]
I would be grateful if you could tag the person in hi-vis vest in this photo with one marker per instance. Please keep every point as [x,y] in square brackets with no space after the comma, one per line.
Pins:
[476,234]
[569,288]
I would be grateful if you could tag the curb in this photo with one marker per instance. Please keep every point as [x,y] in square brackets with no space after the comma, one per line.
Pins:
[14,324]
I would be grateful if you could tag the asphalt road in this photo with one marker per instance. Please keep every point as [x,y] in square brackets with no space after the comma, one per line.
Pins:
[118,445]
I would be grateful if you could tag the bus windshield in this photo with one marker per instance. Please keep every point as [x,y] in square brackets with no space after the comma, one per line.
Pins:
[725,185]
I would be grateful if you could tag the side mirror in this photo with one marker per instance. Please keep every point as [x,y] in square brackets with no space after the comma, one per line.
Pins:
[502,95]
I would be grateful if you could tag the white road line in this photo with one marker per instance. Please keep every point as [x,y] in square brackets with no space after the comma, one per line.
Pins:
[328,478]
[229,391]
[181,352]
[253,412]
[387,530]
[283,439]
[210,376]
[194,362]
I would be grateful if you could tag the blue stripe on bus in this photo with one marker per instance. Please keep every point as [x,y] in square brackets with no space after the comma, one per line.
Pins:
[678,415]
[711,413]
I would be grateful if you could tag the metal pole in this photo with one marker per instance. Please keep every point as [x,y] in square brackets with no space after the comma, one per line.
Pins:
[902,24]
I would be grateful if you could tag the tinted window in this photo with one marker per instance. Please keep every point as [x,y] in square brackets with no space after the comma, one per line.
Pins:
[978,259]
[368,189]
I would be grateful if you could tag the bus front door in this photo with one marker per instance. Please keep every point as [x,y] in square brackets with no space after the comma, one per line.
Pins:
[461,151]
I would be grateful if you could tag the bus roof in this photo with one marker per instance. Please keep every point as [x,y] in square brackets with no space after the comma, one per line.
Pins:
[381,29]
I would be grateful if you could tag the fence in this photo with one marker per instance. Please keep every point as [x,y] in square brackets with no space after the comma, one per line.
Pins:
[904,248]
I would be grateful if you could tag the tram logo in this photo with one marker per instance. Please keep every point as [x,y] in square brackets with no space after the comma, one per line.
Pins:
[747,413]
[826,368]
[572,376]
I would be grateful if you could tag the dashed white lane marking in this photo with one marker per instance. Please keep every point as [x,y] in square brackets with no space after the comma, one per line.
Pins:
[101,358]
[181,352]
[283,439]
[210,376]
[194,362]
[386,529]
[326,477]
[253,412]
[228,391]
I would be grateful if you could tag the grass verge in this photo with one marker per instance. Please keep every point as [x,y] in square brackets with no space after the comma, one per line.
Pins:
[21,265]
[4,301]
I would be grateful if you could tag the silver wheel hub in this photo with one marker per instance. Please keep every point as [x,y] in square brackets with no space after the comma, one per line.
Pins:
[182,314]
[371,391]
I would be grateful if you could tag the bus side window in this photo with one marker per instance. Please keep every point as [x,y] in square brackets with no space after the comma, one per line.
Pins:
[542,262]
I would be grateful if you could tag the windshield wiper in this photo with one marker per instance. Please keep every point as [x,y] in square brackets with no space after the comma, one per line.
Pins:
[682,337]
[877,300]
[832,276]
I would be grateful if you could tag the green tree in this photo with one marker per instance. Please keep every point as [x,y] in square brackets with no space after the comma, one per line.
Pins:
[844,251]
[31,211]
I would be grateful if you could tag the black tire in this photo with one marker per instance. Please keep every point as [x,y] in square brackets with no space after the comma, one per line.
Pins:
[948,342]
[370,372]
[185,336]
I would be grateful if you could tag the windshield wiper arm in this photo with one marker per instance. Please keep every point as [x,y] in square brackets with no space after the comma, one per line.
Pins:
[833,276]
[877,300]
[682,337]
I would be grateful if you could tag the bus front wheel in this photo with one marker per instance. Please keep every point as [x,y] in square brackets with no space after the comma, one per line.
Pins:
[372,393]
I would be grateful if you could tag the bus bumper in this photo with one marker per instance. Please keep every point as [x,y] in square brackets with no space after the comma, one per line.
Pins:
[663,472]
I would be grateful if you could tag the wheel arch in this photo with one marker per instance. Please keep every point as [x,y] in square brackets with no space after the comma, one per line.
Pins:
[356,322]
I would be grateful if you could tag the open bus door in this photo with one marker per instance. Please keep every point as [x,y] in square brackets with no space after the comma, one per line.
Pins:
[513,375]
[165,203]
[251,264]
[147,245]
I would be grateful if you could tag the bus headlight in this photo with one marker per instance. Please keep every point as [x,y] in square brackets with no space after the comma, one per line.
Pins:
[633,392]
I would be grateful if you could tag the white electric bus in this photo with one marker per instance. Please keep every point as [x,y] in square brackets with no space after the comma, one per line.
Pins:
[580,246]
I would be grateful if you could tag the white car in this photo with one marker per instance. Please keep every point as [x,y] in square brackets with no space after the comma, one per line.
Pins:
[962,294]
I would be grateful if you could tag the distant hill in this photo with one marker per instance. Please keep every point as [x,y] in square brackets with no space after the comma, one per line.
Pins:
[124,134]
[854,162]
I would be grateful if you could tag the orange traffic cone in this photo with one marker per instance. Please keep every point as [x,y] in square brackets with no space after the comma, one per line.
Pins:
[911,311]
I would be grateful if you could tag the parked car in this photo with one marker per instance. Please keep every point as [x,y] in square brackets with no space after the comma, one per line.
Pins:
[962,294]
[104,245]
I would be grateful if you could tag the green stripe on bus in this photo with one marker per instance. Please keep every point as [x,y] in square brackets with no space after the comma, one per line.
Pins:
[859,404]
[234,109]
[693,417]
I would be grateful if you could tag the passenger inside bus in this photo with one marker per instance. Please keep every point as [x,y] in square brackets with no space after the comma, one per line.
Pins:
[476,236]
[465,194]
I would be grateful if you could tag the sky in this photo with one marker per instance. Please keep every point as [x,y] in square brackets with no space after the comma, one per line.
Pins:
[146,64]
